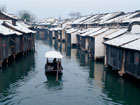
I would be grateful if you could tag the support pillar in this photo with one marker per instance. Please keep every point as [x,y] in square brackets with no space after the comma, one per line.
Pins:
[7,60]
[105,59]
[0,64]
[14,56]
[122,72]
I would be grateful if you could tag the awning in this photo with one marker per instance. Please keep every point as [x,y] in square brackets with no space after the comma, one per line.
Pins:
[53,54]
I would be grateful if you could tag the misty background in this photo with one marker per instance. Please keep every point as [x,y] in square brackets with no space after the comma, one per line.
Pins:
[56,8]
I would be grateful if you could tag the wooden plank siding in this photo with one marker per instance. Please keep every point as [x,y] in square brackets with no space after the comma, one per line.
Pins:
[50,35]
[68,39]
[78,41]
[114,56]
[83,46]
[91,41]
[132,62]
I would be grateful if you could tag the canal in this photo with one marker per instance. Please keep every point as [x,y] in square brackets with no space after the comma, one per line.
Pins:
[84,81]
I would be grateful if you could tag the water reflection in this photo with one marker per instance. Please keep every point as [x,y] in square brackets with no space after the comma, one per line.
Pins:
[16,72]
[52,84]
[121,90]
[114,90]
[84,81]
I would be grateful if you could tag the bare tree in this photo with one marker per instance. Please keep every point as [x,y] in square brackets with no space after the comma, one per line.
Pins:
[72,15]
[3,8]
[75,15]
[78,14]
[26,16]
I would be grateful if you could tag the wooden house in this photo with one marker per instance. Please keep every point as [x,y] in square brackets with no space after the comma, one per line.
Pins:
[132,52]
[94,43]
[58,33]
[42,33]
[84,45]
[8,46]
[27,41]
[8,17]
[123,52]
[78,36]
[115,54]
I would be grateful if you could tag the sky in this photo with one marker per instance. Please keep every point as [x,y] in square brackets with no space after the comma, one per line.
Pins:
[54,8]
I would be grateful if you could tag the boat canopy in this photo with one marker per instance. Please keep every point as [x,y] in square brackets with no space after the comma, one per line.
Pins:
[53,54]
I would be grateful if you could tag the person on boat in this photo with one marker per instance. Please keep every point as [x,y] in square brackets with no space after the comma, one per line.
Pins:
[55,64]
[47,64]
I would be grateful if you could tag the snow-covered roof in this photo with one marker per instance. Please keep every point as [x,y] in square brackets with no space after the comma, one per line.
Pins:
[117,33]
[132,19]
[24,24]
[130,16]
[7,31]
[84,31]
[53,54]
[135,45]
[89,20]
[117,19]
[104,32]
[20,27]
[77,21]
[66,24]
[57,28]
[10,15]
[98,32]
[92,30]
[71,30]
[122,40]
[48,21]
[2,21]
[108,16]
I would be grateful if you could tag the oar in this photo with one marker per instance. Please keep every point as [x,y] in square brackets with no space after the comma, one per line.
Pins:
[57,73]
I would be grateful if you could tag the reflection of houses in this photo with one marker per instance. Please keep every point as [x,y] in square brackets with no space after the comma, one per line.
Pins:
[15,37]
[99,73]
[121,90]
[13,73]
[122,52]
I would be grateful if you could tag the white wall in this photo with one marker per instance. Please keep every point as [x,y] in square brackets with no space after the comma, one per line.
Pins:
[59,35]
[73,38]
[53,34]
[99,47]
[135,29]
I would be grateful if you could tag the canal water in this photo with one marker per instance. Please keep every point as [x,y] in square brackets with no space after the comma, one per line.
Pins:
[84,81]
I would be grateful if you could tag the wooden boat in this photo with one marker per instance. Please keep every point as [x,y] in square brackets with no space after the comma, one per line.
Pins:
[53,63]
